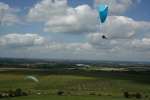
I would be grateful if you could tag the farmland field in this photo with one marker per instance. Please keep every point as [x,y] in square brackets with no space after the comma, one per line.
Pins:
[81,84]
[67,98]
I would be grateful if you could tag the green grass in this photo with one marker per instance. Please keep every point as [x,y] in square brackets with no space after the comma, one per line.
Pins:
[76,85]
[68,98]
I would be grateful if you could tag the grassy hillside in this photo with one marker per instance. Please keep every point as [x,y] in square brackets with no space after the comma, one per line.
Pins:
[68,98]
[78,85]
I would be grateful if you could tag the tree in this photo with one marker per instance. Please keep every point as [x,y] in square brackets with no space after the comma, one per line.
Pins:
[138,95]
[18,92]
[126,94]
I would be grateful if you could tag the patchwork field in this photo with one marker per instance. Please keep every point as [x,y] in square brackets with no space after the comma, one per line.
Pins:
[81,85]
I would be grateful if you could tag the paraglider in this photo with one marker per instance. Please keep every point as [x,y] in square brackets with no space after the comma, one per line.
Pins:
[104,37]
[103,13]
[32,78]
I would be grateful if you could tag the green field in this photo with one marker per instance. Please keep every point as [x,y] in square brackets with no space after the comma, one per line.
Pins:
[81,85]
[68,98]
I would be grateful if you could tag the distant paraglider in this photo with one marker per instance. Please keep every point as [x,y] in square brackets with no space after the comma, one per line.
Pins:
[32,78]
[104,37]
[103,13]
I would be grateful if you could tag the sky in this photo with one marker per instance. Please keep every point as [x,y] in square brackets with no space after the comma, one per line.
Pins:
[70,29]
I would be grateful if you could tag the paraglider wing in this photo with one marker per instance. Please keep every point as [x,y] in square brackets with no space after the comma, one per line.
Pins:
[103,12]
[32,78]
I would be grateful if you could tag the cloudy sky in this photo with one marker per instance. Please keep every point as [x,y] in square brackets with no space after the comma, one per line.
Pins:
[70,29]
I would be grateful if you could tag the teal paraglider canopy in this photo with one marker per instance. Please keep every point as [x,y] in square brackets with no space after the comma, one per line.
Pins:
[103,12]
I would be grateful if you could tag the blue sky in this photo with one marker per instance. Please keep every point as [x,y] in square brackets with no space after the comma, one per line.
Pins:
[140,11]
[69,29]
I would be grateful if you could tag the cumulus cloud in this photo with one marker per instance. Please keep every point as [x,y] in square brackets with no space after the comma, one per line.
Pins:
[136,45]
[37,46]
[117,6]
[124,27]
[47,9]
[121,27]
[58,17]
[71,47]
[137,48]
[15,40]
[8,15]
[124,35]
[77,20]
[63,50]
[141,44]
[35,41]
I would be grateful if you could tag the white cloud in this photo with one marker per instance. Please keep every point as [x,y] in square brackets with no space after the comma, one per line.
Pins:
[117,6]
[46,10]
[58,17]
[63,50]
[33,45]
[35,42]
[21,40]
[77,20]
[136,45]
[141,44]
[8,15]
[73,47]
[121,27]
[125,36]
